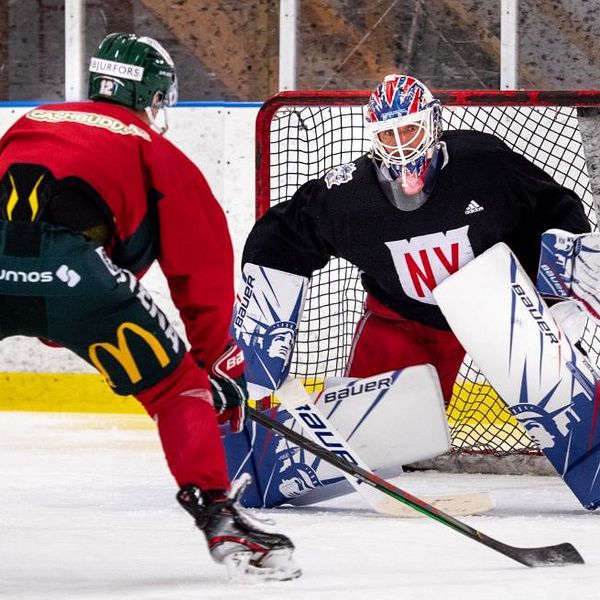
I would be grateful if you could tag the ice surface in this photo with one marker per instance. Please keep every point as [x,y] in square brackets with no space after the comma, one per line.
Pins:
[88,512]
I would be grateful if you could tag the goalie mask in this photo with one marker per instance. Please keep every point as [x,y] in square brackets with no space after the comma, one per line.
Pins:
[136,72]
[405,122]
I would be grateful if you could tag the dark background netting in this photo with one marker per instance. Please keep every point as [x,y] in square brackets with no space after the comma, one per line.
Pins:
[306,141]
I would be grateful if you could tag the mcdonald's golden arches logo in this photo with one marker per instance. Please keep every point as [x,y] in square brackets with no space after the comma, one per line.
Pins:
[122,353]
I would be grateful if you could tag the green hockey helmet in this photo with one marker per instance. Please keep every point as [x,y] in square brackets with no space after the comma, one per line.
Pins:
[133,71]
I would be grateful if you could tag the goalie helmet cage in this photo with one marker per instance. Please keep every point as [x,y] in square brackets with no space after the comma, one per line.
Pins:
[301,135]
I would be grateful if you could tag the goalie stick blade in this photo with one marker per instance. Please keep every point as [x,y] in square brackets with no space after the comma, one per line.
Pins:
[457,505]
[560,555]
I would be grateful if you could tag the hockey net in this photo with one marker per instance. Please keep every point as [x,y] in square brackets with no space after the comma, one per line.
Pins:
[300,136]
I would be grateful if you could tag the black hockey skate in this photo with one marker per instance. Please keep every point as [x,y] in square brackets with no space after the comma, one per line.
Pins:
[234,538]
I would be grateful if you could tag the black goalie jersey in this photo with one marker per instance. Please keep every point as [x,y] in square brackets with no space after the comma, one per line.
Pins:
[485,194]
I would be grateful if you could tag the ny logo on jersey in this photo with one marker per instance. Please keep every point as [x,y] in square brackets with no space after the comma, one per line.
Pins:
[423,262]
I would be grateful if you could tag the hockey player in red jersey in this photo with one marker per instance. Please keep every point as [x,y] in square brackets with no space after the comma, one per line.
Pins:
[417,208]
[90,194]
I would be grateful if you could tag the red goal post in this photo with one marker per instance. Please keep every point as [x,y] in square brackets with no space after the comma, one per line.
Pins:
[301,135]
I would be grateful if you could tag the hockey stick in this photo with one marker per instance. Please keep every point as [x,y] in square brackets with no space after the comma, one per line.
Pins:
[558,555]
[296,400]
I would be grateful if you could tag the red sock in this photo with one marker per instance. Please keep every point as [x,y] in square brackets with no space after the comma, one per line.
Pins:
[187,424]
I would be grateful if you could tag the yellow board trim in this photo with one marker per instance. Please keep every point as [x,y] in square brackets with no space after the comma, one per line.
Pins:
[63,392]
[475,413]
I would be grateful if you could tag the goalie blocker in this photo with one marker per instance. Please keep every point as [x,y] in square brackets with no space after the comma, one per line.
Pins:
[505,326]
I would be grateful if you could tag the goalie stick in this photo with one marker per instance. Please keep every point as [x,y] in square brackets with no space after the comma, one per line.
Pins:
[558,555]
[296,400]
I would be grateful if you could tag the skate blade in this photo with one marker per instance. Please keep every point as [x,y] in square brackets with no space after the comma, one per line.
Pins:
[277,565]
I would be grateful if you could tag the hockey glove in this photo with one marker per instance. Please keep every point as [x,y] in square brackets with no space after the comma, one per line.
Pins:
[228,385]
[585,286]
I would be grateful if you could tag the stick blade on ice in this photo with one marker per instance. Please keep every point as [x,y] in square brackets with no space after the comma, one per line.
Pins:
[559,555]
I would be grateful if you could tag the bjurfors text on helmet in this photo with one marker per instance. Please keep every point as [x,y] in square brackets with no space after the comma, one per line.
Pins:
[116,69]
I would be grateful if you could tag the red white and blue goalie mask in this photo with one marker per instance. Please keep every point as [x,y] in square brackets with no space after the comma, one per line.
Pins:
[406,109]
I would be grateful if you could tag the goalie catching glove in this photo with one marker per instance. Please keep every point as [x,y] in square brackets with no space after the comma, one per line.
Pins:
[570,268]
[228,386]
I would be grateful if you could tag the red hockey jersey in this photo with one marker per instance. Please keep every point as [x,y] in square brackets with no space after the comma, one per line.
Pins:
[161,205]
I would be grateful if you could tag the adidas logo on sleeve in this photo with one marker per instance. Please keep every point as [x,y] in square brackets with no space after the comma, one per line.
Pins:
[473,207]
